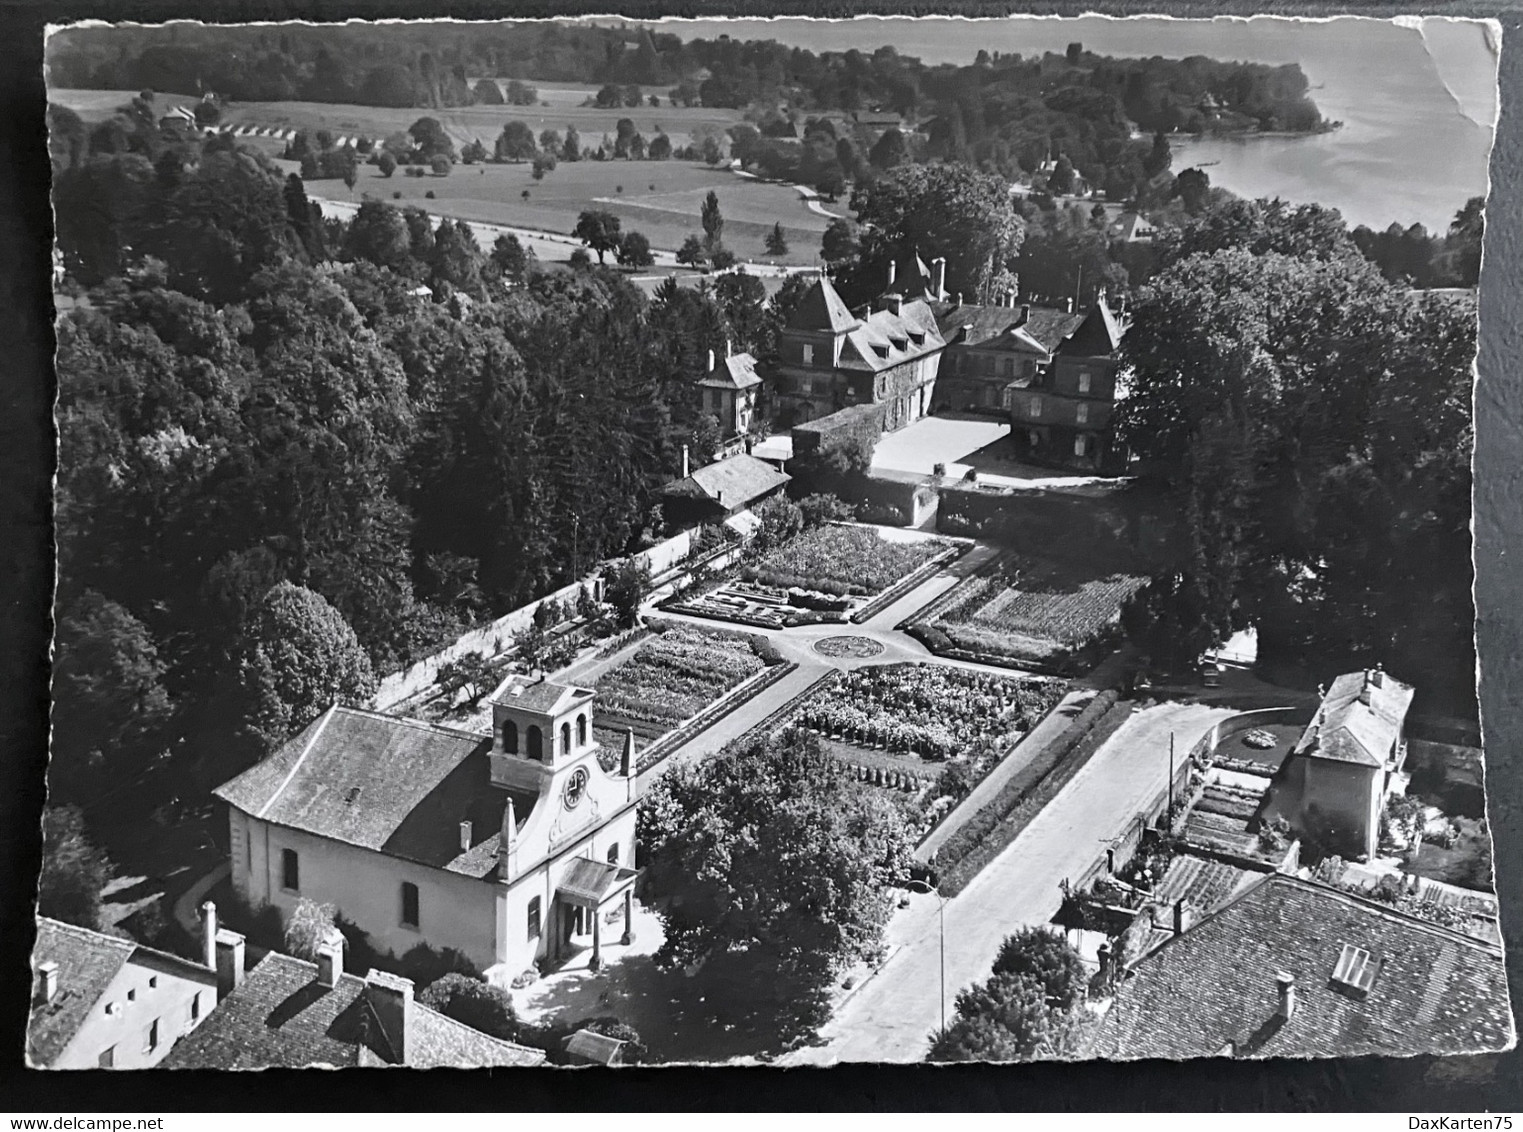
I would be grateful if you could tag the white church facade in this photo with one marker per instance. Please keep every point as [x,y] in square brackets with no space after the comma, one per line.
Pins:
[512,849]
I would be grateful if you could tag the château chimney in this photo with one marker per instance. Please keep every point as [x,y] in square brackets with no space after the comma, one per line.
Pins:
[1025,314]
[1377,677]
[893,302]
[229,962]
[1287,989]
[686,469]
[47,982]
[209,936]
[893,270]
[391,998]
[465,836]
[939,277]
[711,361]
[728,349]
[330,958]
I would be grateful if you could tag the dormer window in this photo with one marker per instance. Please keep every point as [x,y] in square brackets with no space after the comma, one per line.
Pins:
[1355,970]
[917,338]
[881,351]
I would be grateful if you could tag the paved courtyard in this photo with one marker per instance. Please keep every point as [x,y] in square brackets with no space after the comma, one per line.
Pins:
[963,442]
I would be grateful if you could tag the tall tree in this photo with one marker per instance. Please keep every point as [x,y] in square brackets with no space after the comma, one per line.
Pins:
[713,220]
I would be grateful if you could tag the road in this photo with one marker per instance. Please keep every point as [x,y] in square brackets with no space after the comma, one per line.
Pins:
[891,1017]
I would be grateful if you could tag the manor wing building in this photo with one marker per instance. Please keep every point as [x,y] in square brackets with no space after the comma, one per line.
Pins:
[511,849]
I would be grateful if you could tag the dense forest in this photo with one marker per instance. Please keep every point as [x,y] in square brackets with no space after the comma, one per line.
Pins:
[268,434]
[1004,113]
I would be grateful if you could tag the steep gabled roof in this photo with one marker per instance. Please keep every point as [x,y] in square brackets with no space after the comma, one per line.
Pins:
[737,371]
[823,309]
[282,1016]
[396,786]
[1349,730]
[885,339]
[1433,990]
[1097,336]
[1043,328]
[87,962]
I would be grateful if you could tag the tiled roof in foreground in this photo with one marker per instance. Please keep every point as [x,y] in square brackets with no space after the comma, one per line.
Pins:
[1213,990]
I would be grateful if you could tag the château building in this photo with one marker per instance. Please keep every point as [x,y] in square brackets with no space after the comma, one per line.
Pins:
[514,848]
[831,359]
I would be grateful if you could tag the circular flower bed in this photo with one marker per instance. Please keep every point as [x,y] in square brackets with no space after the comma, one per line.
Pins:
[856,647]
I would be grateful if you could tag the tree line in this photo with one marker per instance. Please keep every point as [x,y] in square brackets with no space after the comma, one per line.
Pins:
[285,469]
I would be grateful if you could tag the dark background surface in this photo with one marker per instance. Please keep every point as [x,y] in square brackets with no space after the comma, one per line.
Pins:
[1466,1084]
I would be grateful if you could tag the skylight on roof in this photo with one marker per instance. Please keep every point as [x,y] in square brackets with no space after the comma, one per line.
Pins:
[1356,969]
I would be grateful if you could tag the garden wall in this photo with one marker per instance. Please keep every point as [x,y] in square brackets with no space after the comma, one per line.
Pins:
[494,637]
[835,429]
[890,502]
[1118,522]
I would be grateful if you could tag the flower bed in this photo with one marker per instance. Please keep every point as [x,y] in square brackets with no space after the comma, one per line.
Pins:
[1028,608]
[926,710]
[842,560]
[676,674]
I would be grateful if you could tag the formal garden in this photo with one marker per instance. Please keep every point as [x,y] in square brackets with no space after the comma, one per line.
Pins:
[675,674]
[928,730]
[1026,610]
[826,572]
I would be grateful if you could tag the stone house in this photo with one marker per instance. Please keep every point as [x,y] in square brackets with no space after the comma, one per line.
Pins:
[103,1002]
[721,491]
[513,849]
[830,358]
[1062,416]
[1339,773]
[728,392]
[995,350]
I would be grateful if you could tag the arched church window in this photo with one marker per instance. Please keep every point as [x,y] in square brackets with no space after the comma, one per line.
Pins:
[581,731]
[510,737]
[565,738]
[536,749]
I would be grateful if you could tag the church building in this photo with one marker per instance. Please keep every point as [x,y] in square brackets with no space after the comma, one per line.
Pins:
[513,848]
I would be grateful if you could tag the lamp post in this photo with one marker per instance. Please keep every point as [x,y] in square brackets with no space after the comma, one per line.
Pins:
[941,916]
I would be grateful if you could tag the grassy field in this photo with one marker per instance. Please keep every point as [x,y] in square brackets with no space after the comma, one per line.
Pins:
[662,199]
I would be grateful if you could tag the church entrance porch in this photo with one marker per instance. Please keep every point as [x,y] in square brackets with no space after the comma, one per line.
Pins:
[590,894]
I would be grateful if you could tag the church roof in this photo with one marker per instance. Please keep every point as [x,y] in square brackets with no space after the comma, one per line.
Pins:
[380,782]
[280,1015]
[822,308]
[1347,729]
[737,371]
[538,694]
[732,482]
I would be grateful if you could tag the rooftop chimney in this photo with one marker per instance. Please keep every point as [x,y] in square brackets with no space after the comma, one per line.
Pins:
[1181,918]
[711,361]
[894,302]
[627,763]
[465,836]
[209,936]
[390,997]
[1068,306]
[1287,988]
[893,270]
[1025,314]
[728,351]
[47,982]
[229,962]
[939,277]
[330,958]
[686,470]
[1377,677]
[959,298]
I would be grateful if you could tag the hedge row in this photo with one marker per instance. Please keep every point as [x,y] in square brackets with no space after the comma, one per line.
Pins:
[742,693]
[907,583]
[994,827]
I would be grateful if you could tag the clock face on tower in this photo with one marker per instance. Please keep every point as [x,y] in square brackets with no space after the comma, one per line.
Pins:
[576,786]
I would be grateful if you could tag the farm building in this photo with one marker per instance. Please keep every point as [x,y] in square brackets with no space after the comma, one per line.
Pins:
[720,491]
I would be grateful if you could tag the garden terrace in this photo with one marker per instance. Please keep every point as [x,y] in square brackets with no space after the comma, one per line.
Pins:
[1023,609]
[1225,819]
[843,560]
[675,675]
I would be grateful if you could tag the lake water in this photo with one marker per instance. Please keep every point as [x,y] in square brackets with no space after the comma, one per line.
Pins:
[1417,96]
